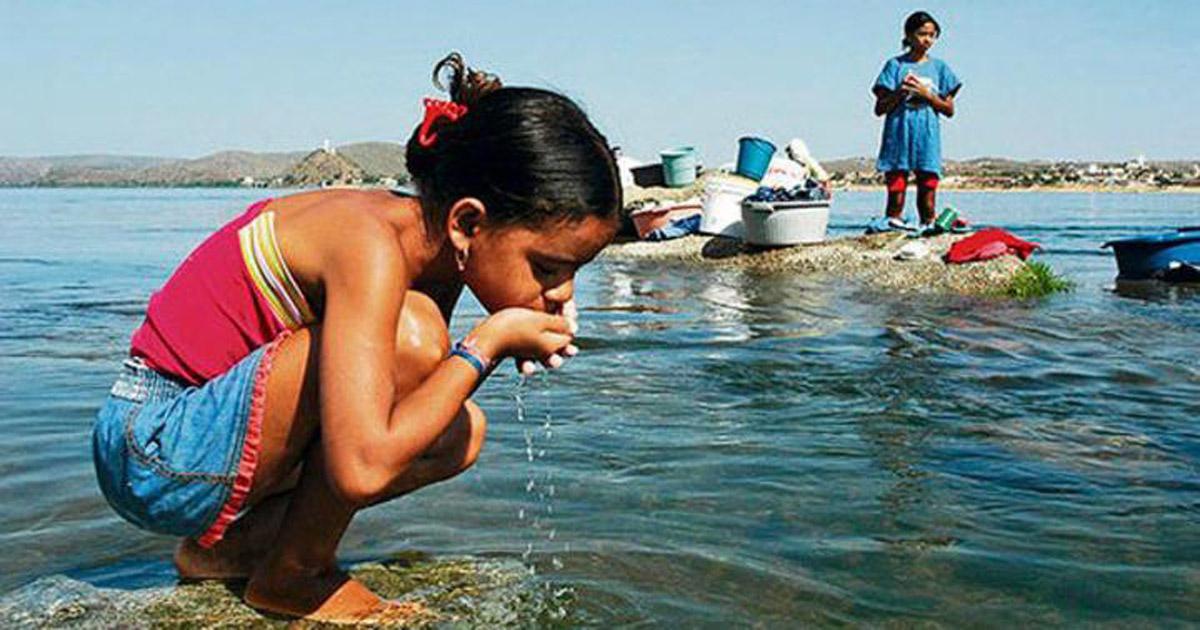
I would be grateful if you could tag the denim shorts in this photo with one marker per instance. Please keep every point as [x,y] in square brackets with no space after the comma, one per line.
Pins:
[179,459]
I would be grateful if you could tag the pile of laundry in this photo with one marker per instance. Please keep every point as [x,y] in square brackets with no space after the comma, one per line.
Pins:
[809,190]
[676,228]
[989,243]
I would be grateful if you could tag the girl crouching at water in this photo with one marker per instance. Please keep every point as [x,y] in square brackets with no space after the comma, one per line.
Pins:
[913,91]
[297,366]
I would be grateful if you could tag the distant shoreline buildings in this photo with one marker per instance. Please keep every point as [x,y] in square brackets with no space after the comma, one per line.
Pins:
[997,173]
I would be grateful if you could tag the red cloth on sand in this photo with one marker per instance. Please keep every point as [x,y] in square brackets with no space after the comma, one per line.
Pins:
[989,243]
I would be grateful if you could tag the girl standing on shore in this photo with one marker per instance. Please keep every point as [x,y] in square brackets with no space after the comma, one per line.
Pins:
[913,91]
[297,366]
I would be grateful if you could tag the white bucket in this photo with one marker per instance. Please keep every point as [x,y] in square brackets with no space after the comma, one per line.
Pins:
[722,199]
[785,222]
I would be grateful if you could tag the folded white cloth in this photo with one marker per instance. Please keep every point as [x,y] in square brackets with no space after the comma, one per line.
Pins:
[913,250]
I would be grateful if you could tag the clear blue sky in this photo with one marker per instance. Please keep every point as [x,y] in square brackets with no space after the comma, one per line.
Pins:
[1061,79]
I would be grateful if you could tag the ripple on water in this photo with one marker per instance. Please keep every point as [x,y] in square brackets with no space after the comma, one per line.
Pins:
[728,447]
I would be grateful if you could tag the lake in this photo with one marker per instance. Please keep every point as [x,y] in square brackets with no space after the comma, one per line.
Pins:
[730,448]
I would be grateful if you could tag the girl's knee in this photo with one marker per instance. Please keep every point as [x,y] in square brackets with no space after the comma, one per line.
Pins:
[477,423]
[453,454]
[460,444]
[422,341]
[461,455]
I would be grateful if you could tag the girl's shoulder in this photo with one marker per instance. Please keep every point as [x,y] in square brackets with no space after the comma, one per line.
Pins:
[319,227]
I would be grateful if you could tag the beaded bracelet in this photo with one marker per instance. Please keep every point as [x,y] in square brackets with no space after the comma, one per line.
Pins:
[467,350]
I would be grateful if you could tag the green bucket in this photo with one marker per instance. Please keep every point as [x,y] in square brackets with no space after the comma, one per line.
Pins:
[946,219]
[679,166]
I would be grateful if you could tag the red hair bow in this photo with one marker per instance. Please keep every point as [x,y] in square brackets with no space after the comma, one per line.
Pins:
[435,109]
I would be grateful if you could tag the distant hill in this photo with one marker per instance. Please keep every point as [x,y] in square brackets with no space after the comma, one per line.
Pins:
[223,167]
[374,160]
[848,165]
[377,159]
[16,171]
[323,167]
[974,165]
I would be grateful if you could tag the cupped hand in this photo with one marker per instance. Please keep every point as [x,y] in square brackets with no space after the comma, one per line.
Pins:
[523,332]
[570,311]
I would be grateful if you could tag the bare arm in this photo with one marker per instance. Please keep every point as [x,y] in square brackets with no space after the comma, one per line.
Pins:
[943,105]
[370,436]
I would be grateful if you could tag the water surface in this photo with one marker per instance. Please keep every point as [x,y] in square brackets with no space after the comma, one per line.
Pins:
[729,448]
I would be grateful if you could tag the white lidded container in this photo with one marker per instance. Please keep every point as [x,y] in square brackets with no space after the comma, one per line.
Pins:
[785,222]
[722,201]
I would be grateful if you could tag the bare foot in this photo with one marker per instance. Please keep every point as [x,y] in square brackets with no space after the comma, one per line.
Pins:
[234,557]
[332,597]
[222,562]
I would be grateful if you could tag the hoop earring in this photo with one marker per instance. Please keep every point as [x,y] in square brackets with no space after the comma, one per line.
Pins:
[461,256]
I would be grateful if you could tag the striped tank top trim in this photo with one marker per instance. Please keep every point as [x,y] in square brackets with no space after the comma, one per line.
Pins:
[264,262]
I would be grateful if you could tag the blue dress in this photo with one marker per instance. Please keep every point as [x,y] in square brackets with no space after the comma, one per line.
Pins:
[912,138]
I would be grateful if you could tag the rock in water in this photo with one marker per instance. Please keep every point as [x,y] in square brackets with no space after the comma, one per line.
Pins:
[58,601]
[869,260]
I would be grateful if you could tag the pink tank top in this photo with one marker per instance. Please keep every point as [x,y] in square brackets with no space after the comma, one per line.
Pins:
[231,295]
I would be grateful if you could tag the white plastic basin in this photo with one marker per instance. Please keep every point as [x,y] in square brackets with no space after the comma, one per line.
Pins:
[772,224]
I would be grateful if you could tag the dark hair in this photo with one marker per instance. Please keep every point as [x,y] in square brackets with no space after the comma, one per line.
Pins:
[530,155]
[915,22]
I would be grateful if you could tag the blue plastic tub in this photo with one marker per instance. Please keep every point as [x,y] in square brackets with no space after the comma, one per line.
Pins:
[754,156]
[1148,257]
[679,166]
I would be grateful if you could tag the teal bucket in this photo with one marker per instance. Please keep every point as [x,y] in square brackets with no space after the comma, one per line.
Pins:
[679,166]
[754,155]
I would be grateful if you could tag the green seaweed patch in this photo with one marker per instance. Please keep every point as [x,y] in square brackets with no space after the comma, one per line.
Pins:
[441,592]
[203,605]
[1036,279]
